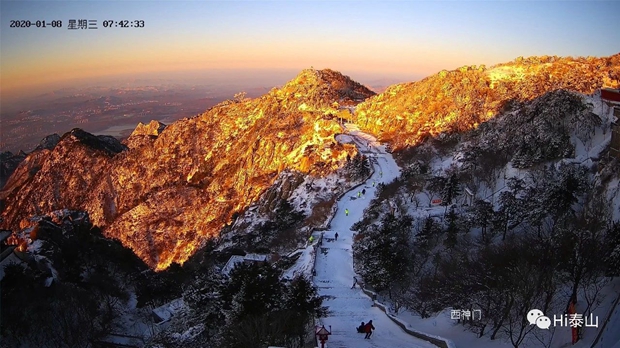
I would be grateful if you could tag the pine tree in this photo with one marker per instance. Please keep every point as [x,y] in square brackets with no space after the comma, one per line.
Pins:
[563,193]
[253,290]
[287,216]
[203,297]
[512,209]
[436,185]
[612,250]
[424,237]
[451,190]
[384,251]
[204,292]
[304,304]
[280,230]
[358,167]
[483,215]
[584,124]
[452,229]
[302,297]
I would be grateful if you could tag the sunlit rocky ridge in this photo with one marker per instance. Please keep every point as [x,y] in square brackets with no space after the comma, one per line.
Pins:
[168,190]
[453,101]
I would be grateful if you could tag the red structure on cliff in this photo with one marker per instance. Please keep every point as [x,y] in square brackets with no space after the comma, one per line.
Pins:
[610,95]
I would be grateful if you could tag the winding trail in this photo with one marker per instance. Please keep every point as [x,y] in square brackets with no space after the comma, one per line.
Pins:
[334,265]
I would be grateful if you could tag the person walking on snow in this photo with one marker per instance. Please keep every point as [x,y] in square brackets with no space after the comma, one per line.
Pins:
[336,236]
[346,212]
[364,192]
[369,327]
[360,329]
[359,194]
[374,183]
[354,282]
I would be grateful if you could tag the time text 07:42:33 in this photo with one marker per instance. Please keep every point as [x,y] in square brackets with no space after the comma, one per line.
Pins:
[76,23]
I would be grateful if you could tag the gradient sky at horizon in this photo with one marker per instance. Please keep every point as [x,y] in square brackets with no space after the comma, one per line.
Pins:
[406,40]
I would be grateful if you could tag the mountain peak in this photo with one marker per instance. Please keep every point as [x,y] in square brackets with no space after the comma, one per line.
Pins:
[322,85]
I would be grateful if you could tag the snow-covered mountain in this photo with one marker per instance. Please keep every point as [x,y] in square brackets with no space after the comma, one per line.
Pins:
[506,198]
[520,213]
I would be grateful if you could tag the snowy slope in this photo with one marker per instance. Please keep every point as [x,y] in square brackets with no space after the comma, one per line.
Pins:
[586,153]
[610,336]
[334,266]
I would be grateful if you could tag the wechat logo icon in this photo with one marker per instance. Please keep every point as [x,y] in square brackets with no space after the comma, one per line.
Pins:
[538,318]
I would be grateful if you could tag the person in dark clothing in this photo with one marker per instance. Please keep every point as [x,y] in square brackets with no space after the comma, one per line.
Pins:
[360,329]
[364,191]
[368,329]
[336,236]
[354,282]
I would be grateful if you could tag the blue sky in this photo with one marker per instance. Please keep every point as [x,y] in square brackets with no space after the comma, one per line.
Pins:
[403,39]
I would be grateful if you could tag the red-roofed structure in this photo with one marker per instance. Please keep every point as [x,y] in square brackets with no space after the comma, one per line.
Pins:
[610,95]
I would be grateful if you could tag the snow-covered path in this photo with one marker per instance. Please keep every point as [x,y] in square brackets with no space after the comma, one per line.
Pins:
[334,267]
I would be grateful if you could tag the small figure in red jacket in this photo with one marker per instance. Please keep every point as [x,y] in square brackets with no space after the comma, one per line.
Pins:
[368,328]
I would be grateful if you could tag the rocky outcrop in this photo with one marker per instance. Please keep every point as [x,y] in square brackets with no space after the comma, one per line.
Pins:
[145,134]
[62,178]
[280,190]
[49,142]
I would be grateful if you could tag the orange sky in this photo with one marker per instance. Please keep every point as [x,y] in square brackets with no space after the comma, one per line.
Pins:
[27,72]
[404,39]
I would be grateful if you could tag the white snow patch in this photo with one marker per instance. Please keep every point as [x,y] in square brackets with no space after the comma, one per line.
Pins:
[613,194]
[232,262]
[189,333]
[35,246]
[167,311]
[303,265]
[344,139]
[255,257]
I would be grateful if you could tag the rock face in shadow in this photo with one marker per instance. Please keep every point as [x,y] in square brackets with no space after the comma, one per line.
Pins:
[9,161]
[8,164]
[170,188]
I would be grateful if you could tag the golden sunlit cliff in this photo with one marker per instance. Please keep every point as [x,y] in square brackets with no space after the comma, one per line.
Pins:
[458,100]
[172,187]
